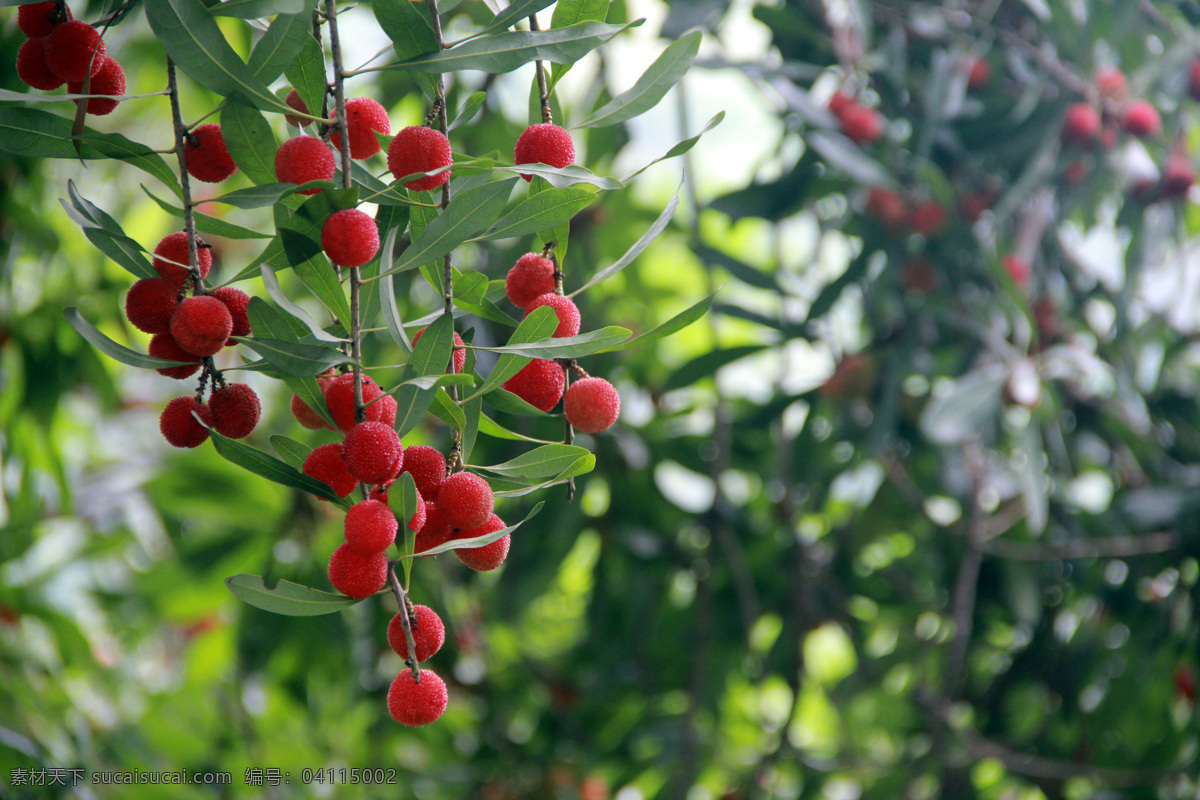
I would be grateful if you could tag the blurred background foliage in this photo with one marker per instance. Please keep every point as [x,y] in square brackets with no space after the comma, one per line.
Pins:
[896,521]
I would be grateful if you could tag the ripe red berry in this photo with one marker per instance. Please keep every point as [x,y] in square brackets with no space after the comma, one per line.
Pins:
[305,415]
[370,526]
[339,396]
[415,704]
[201,325]
[564,308]
[419,149]
[235,410]
[861,124]
[350,238]
[979,74]
[238,302]
[1142,119]
[1111,84]
[207,157]
[294,100]
[109,81]
[429,633]
[31,66]
[363,118]
[531,277]
[40,19]
[357,574]
[490,556]
[428,468]
[459,349]
[171,257]
[1018,270]
[326,464]
[544,143]
[1081,125]
[150,304]
[163,345]
[1179,174]
[179,427]
[436,531]
[839,102]
[465,501]
[386,410]
[302,159]
[928,218]
[888,207]
[539,383]
[373,452]
[591,405]
[70,48]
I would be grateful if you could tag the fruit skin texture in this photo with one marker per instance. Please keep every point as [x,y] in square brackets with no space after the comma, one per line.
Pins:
[414,704]
[110,80]
[363,117]
[490,556]
[163,345]
[350,238]
[387,410]
[531,277]
[465,501]
[357,574]
[339,397]
[434,532]
[306,416]
[459,348]
[237,302]
[592,405]
[1142,119]
[174,248]
[419,149]
[37,19]
[31,66]
[429,633]
[428,468]
[372,452]
[201,325]
[235,410]
[861,124]
[1081,125]
[150,304]
[539,383]
[545,143]
[208,159]
[326,464]
[69,49]
[293,99]
[370,526]
[302,159]
[564,308]
[179,427]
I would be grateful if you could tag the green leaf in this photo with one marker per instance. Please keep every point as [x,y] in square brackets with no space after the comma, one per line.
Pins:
[249,139]
[469,109]
[283,301]
[664,73]
[268,321]
[407,25]
[106,234]
[707,364]
[541,462]
[569,346]
[515,12]
[506,401]
[673,325]
[319,277]
[582,466]
[115,351]
[560,177]
[503,52]
[842,154]
[306,74]
[253,9]
[470,287]
[292,452]
[430,356]
[537,326]
[682,147]
[267,194]
[472,411]
[268,466]
[287,598]
[481,541]
[387,295]
[402,498]
[309,391]
[497,431]
[208,224]
[641,244]
[541,212]
[448,411]
[279,45]
[745,273]
[295,358]
[433,381]
[573,12]
[968,409]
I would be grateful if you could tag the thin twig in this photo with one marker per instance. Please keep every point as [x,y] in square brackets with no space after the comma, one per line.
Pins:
[1115,547]
[189,216]
[404,604]
[543,89]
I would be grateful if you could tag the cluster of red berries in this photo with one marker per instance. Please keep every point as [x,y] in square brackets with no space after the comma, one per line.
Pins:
[859,123]
[62,50]
[418,700]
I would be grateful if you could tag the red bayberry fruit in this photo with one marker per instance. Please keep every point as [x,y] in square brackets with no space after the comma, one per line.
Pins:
[70,48]
[357,574]
[339,397]
[109,81]
[207,157]
[861,124]
[302,159]
[31,66]
[531,277]
[1018,270]
[417,520]
[326,464]
[1111,84]
[201,325]
[305,415]
[436,531]
[370,526]
[171,257]
[1142,119]
[429,634]
[40,19]
[414,704]
[539,383]
[1194,79]
[363,118]
[545,143]
[888,207]
[150,304]
[490,556]
[839,102]
[428,468]
[459,349]
[465,500]
[591,405]
[1179,174]
[235,410]
[179,427]
[350,238]
[386,409]
[979,74]
[1081,125]
[163,345]
[564,308]
[294,100]
[419,149]
[237,302]
[928,218]
[372,452]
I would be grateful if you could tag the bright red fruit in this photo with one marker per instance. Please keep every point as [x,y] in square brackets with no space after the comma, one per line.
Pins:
[302,159]
[238,303]
[363,118]
[414,704]
[171,257]
[1142,119]
[372,452]
[545,143]
[465,501]
[350,238]
[427,466]
[531,277]
[1081,125]
[357,574]
[436,531]
[1018,270]
[326,464]
[1111,84]
[109,81]
[861,124]
[420,149]
[207,157]
[339,397]
[979,75]
[592,405]
[564,308]
[163,345]
[490,556]
[235,410]
[179,427]
[201,325]
[539,383]
[370,526]
[429,633]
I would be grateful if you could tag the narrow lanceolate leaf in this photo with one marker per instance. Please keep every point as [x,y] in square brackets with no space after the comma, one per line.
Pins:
[573,12]
[267,194]
[473,411]
[470,287]
[582,466]
[287,599]
[632,253]
[318,276]
[249,139]
[194,41]
[509,403]
[208,224]
[407,25]
[107,234]
[292,452]
[537,326]
[744,272]
[468,214]
[844,155]
[664,73]
[283,39]
[268,466]
[277,294]
[497,431]
[430,357]
[294,358]
[673,325]
[482,541]
[469,109]
[115,351]
[515,12]
[541,462]
[569,346]
[402,498]
[387,295]
[541,212]
[306,74]
[682,147]
[253,9]
[448,411]
[560,177]
[504,52]
[269,322]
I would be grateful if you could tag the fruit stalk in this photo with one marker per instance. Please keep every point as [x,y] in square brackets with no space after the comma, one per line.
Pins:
[405,605]
[540,66]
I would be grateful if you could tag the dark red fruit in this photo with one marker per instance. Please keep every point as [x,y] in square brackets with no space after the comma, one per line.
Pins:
[326,464]
[40,19]
[163,345]
[539,383]
[1142,119]
[235,410]
[419,149]
[889,208]
[429,633]
[109,81]
[350,238]
[415,704]
[207,157]
[171,257]
[428,468]
[201,325]
[1018,270]
[1194,79]
[31,66]
[435,532]
[237,302]
[490,556]
[150,304]
[293,100]
[861,124]
[1081,125]
[70,48]
[979,74]
[357,574]
[179,427]
[302,159]
[544,143]
[928,218]
[592,405]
